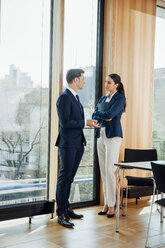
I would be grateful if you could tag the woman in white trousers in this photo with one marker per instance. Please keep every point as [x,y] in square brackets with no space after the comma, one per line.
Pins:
[108,113]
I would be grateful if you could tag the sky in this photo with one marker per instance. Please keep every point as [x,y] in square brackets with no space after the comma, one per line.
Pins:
[24,38]
[160,43]
[25,34]
[80,26]
[80,32]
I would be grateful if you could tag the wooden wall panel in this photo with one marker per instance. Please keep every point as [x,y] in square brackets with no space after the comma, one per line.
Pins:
[129,31]
[129,51]
[57,74]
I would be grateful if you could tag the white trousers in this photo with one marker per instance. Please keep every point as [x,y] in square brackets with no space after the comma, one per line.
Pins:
[108,153]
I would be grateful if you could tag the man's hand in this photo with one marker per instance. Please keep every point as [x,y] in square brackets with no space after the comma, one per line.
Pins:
[92,123]
[107,119]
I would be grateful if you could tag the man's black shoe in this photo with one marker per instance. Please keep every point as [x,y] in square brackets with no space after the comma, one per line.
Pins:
[73,215]
[64,221]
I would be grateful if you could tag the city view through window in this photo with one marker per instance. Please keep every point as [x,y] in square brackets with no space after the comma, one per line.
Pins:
[80,35]
[158,139]
[24,100]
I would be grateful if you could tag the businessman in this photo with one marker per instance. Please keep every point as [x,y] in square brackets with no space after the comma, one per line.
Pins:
[70,141]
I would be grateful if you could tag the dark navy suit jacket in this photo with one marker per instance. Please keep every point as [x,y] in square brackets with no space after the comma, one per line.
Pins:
[71,118]
[114,112]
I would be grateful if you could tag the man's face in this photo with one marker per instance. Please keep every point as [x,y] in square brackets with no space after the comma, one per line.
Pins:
[80,82]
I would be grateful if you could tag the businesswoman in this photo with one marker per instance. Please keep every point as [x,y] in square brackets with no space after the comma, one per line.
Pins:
[108,113]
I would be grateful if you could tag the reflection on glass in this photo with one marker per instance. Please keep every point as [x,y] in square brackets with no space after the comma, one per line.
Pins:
[80,29]
[24,99]
[159,85]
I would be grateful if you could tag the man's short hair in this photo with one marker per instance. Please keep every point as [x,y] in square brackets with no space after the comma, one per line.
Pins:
[72,74]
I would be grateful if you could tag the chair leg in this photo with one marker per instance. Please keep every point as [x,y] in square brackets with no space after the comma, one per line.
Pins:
[125,212]
[157,208]
[30,219]
[148,229]
[121,203]
[137,200]
[161,211]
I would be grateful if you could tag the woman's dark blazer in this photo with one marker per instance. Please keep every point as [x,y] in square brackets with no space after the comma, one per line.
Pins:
[114,112]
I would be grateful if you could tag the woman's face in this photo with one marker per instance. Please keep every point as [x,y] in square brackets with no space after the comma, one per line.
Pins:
[110,86]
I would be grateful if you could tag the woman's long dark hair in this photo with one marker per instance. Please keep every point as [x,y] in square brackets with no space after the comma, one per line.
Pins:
[117,80]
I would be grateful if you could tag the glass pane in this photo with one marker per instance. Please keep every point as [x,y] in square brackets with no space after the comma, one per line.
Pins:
[24,99]
[159,85]
[80,30]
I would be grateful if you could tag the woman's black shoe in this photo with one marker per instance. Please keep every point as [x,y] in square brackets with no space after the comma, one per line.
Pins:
[102,213]
[110,215]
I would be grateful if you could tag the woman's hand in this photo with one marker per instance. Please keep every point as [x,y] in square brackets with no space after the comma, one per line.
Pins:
[97,113]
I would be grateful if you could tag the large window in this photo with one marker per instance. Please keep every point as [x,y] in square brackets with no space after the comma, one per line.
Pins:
[24,99]
[80,45]
[159,85]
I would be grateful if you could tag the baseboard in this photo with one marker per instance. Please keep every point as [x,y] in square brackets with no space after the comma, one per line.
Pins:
[27,209]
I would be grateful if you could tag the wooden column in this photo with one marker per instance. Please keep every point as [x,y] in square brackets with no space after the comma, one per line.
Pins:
[57,73]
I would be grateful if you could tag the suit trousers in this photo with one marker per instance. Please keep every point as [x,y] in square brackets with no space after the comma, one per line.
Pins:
[69,162]
[108,153]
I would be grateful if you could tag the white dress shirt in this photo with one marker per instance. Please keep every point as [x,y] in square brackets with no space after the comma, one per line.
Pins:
[109,98]
[74,93]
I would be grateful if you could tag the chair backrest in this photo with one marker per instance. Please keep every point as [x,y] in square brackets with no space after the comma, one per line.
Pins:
[138,155]
[158,169]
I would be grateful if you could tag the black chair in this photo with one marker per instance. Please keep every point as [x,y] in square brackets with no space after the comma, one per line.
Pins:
[158,169]
[137,187]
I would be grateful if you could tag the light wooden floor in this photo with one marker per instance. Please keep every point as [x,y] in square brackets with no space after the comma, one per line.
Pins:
[92,232]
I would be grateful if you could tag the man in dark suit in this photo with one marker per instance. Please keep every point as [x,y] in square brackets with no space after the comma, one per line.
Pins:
[70,141]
